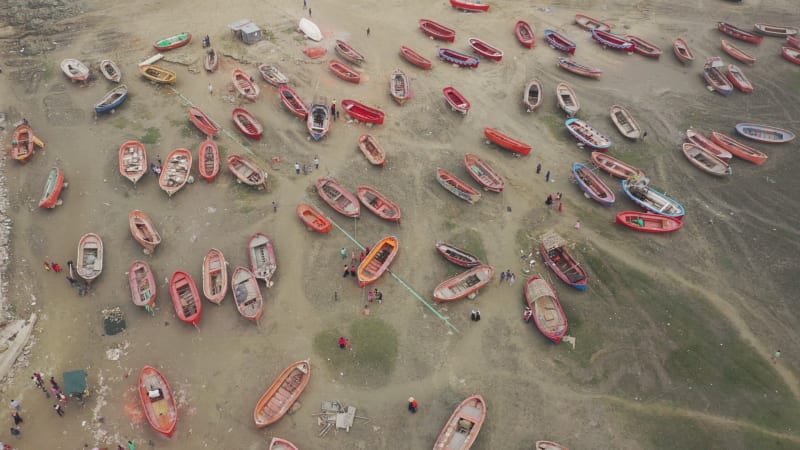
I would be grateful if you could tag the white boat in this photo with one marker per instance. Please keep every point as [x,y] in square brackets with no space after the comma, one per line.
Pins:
[310,29]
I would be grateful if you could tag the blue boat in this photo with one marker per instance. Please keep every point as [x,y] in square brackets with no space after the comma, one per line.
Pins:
[112,100]
[456,57]
[587,134]
[559,41]
[592,185]
[611,40]
[639,190]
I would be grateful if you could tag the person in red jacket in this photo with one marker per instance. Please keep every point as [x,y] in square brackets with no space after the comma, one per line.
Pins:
[412,405]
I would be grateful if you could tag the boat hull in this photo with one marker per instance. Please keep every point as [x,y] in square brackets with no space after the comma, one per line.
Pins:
[52,189]
[682,51]
[144,231]
[378,204]
[247,294]
[459,59]
[587,134]
[344,72]
[567,99]
[415,58]
[362,112]
[644,47]
[565,266]
[456,255]
[559,42]
[648,222]
[547,313]
[739,149]
[112,100]
[89,264]
[437,31]
[372,150]
[247,123]
[485,50]
[503,140]
[313,218]
[247,172]
[348,53]
[161,411]
[456,186]
[319,119]
[456,100]
[464,284]
[654,201]
[579,69]
[615,167]
[263,262]
[593,186]
[377,261]
[245,85]
[215,276]
[293,102]
[764,133]
[532,96]
[525,34]
[738,33]
[203,122]
[483,173]
[173,42]
[185,298]
[282,394]
[625,122]
[337,197]
[466,5]
[176,171]
[463,426]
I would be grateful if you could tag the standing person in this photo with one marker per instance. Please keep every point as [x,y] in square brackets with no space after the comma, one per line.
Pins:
[512,279]
[344,343]
[346,271]
[15,431]
[62,398]
[59,410]
[367,31]
[274,206]
[547,177]
[47,266]
[502,277]
[549,200]
[353,270]
[15,405]
[333,108]
[17,418]
[558,196]
[343,252]
[305,4]
[378,295]
[538,168]
[131,445]
[361,256]
[39,380]
[371,296]
[297,168]
[578,225]
[508,274]
[210,89]
[412,405]
[316,162]
[560,207]
[776,356]
[309,12]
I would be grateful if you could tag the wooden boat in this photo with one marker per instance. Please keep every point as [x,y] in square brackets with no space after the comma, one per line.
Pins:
[682,51]
[507,142]
[532,96]
[263,262]
[293,101]
[738,79]
[567,99]
[714,76]
[640,191]
[556,256]
[399,87]
[775,30]
[339,198]
[468,5]
[459,59]
[319,118]
[592,185]
[615,167]
[463,426]
[272,75]
[75,70]
[379,204]
[613,41]
[485,49]
[456,255]
[280,397]
[697,138]
[643,47]
[144,231]
[158,402]
[793,41]
[208,160]
[112,100]
[246,171]
[211,60]
[705,160]
[347,52]
[344,71]
[464,284]
[437,31]
[132,161]
[247,294]
[456,100]
[377,261]
[90,257]
[313,218]
[176,171]
[560,42]
[525,34]
[548,315]
[739,33]
[739,149]
[648,222]
[23,143]
[215,276]
[372,149]
[172,42]
[362,112]
[52,189]
[110,70]
[587,134]
[203,122]
[625,122]
[143,284]
[549,445]
[791,54]
[483,173]
[281,444]
[579,69]
[245,85]
[247,123]
[764,133]
[591,24]
[415,58]
[310,29]
[457,187]
[736,52]
[158,74]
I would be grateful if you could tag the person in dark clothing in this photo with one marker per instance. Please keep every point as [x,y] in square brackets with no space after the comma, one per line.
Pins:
[17,418]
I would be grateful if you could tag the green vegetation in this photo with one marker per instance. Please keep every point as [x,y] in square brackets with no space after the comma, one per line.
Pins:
[268,35]
[120,122]
[554,123]
[245,202]
[151,136]
[371,357]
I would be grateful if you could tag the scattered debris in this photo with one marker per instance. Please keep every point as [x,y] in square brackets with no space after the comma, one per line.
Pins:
[336,416]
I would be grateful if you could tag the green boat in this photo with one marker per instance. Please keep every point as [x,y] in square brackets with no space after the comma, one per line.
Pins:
[179,40]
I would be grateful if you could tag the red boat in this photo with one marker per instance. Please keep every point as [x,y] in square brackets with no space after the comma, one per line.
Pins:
[589,23]
[22,143]
[215,276]
[738,79]
[507,142]
[615,167]
[399,87]
[208,160]
[344,71]
[791,54]
[247,294]
[337,197]
[793,41]
[460,59]
[648,222]
[245,85]
[525,34]
[456,255]
[185,297]
[739,149]
[466,5]
[143,284]
[682,51]
[246,171]
[263,262]
[313,218]
[247,123]
[281,444]
[545,309]
[347,52]
[133,161]
[559,42]
[144,231]
[485,49]
[52,189]
[158,402]
[613,41]
[556,256]
[483,173]
[362,112]
[292,101]
[437,31]
[463,284]
[378,203]
[377,261]
[456,100]
[457,186]
[372,150]
[697,138]
[172,42]
[579,69]
[463,426]
[643,47]
[737,53]
[415,58]
[739,33]
[203,122]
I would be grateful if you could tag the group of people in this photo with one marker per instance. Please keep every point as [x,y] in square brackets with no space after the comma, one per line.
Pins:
[550,200]
[509,276]
[16,406]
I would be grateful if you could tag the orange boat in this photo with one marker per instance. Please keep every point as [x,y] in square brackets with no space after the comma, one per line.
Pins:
[463,426]
[215,276]
[52,189]
[372,150]
[280,397]
[281,444]
[22,143]
[464,284]
[344,71]
[247,294]
[158,402]
[144,231]
[143,284]
[208,160]
[246,171]
[377,261]
[185,298]
[739,149]
[313,218]
[378,203]
[648,222]
[203,122]
[507,142]
[245,84]
[415,58]
[132,161]
[176,171]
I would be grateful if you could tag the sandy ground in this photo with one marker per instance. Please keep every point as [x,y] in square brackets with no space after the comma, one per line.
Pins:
[733,261]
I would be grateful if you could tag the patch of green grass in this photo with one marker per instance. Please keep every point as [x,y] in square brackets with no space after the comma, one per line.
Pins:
[49,68]
[554,123]
[450,225]
[151,136]
[187,131]
[371,357]
[268,35]
[245,202]
[120,122]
